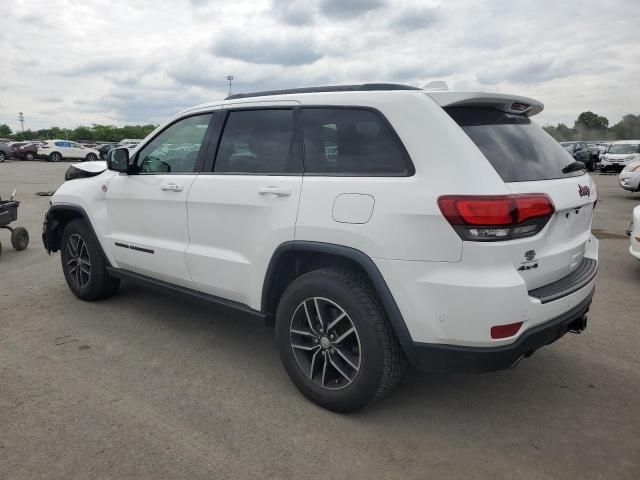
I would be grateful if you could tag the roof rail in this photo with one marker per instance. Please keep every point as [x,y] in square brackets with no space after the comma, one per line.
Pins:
[365,87]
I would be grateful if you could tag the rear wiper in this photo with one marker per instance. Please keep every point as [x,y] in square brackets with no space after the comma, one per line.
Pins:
[574,167]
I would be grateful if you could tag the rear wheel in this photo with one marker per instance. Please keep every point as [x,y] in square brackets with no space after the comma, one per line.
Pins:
[83,264]
[3,156]
[91,157]
[335,341]
[55,157]
[29,156]
[19,238]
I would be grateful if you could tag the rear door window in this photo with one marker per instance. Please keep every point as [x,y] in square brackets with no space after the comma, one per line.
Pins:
[350,142]
[518,149]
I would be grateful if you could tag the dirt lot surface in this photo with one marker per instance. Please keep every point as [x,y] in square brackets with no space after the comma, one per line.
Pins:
[145,386]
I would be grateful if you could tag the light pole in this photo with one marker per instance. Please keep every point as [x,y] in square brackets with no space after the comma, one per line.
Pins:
[21,120]
[230,79]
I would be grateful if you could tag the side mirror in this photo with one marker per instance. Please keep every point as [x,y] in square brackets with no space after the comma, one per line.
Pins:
[118,160]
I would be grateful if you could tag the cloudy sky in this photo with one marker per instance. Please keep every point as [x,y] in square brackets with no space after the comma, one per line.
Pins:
[75,62]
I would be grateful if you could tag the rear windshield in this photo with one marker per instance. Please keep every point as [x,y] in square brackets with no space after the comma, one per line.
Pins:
[518,149]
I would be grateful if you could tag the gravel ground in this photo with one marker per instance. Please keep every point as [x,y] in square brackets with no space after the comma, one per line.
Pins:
[146,386]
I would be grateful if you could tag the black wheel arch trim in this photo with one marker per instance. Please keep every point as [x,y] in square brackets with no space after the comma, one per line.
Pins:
[362,259]
[50,234]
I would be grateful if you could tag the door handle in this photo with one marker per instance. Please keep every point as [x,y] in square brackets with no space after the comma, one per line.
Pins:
[172,187]
[278,191]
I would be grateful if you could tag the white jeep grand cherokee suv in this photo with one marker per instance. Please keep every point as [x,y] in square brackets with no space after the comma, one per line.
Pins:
[372,224]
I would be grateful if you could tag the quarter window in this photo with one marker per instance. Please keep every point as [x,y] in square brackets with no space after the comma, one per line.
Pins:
[175,149]
[351,141]
[258,142]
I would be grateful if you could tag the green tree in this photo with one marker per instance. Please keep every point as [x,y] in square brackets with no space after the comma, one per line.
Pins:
[81,133]
[561,132]
[626,129]
[5,130]
[591,121]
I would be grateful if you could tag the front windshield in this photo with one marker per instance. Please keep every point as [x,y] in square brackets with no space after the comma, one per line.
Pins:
[622,148]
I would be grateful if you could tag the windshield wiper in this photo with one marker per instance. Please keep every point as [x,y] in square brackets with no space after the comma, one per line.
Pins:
[574,167]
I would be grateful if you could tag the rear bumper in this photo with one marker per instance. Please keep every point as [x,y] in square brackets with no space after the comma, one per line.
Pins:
[454,358]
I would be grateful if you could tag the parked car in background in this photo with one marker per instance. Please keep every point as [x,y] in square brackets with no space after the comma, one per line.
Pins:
[629,177]
[129,142]
[583,152]
[634,234]
[15,146]
[56,150]
[603,147]
[104,149]
[619,155]
[28,151]
[5,151]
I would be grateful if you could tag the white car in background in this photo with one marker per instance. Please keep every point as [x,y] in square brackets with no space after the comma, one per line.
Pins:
[130,142]
[620,154]
[634,234]
[630,177]
[56,150]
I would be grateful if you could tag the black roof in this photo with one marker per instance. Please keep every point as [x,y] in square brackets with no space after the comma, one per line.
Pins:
[365,87]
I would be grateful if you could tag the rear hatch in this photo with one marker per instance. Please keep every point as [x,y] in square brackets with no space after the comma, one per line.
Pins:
[530,161]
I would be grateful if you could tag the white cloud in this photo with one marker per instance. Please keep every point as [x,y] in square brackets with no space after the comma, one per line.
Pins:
[117,61]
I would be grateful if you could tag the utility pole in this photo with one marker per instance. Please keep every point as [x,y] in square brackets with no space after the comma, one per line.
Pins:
[230,79]
[21,120]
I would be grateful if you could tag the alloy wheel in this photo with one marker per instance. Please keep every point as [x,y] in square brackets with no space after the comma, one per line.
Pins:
[79,262]
[325,343]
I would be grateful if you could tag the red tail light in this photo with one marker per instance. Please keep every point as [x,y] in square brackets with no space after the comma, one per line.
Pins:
[496,217]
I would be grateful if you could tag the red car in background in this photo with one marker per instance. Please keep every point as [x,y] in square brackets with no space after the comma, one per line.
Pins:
[26,150]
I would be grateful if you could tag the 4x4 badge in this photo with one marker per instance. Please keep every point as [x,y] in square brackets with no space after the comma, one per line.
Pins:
[584,191]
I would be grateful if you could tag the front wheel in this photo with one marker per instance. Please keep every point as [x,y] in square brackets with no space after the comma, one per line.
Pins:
[335,341]
[55,157]
[3,156]
[91,157]
[29,156]
[83,264]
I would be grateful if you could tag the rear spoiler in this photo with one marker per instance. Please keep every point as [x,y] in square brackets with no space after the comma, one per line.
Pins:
[506,103]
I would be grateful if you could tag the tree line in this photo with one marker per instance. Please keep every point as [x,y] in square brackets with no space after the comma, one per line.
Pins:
[588,126]
[96,133]
[591,126]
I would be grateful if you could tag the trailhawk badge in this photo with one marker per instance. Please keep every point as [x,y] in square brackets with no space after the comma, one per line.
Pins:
[584,191]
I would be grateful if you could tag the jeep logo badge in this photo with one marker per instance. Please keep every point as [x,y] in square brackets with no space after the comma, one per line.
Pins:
[584,191]
[529,255]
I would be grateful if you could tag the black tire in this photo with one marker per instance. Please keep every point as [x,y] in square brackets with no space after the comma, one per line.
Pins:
[92,283]
[3,156]
[19,238]
[379,358]
[91,157]
[0,249]
[30,156]
[55,157]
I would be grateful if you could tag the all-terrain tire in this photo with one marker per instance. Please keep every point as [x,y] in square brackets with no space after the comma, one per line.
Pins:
[380,359]
[79,248]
